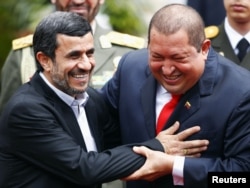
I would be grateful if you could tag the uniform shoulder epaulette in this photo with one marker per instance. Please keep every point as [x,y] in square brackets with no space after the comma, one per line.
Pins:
[22,42]
[123,39]
[211,31]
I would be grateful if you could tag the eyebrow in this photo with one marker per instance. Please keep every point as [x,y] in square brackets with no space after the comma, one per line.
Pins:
[77,52]
[90,51]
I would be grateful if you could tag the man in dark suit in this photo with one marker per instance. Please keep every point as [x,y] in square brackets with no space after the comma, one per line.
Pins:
[54,126]
[228,34]
[214,94]
[109,47]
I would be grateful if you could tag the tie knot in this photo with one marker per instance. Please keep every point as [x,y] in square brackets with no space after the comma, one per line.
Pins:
[175,98]
[243,44]
[242,47]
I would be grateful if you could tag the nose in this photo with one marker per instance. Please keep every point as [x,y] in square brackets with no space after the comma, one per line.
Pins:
[168,68]
[85,63]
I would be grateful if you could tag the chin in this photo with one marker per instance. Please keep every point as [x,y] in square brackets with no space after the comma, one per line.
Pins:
[83,88]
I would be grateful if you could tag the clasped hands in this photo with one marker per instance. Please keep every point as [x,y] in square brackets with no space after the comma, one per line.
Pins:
[158,163]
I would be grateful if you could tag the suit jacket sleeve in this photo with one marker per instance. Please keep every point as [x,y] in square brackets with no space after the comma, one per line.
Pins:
[39,137]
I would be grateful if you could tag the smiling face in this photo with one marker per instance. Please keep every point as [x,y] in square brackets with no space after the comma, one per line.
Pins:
[74,62]
[87,8]
[174,62]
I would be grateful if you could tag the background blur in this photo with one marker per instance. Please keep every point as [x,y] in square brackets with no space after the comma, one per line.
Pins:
[19,18]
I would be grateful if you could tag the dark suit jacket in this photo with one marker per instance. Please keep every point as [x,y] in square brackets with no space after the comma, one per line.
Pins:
[221,44]
[212,11]
[41,145]
[219,103]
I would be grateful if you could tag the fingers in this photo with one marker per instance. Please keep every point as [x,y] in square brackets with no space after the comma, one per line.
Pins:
[181,135]
[193,152]
[198,144]
[157,164]
[188,132]
[185,151]
[187,148]
[172,129]
[144,171]
[190,149]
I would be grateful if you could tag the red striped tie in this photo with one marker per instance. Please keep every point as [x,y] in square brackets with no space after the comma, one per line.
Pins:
[166,112]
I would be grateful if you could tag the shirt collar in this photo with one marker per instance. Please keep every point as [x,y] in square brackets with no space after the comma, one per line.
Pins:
[236,36]
[81,99]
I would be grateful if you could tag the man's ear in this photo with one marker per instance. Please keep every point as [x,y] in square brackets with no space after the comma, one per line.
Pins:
[53,1]
[205,46]
[43,60]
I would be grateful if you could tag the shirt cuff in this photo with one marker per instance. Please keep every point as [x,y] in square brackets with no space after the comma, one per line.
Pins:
[178,170]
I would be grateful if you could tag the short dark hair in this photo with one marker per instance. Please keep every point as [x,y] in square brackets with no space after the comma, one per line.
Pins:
[58,22]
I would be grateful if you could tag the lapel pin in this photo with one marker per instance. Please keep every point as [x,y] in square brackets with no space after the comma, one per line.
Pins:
[187,105]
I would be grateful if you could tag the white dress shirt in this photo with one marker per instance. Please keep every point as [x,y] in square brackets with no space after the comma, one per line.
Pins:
[162,97]
[77,106]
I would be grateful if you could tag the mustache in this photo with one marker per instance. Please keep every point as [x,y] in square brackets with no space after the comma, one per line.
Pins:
[79,71]
[81,5]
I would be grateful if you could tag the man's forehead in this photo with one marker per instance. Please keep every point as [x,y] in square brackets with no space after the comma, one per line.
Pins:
[74,42]
[86,36]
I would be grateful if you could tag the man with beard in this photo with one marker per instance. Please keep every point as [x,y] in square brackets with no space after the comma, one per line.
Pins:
[109,47]
[20,65]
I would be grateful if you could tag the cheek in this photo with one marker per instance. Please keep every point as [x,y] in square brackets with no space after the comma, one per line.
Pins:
[64,3]
[155,67]
[92,62]
[61,68]
[193,74]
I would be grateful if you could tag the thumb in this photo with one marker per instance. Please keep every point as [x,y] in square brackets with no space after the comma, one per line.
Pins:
[141,150]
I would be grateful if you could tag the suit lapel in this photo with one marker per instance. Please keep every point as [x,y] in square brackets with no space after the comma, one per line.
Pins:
[186,107]
[93,123]
[148,106]
[68,120]
[71,123]
[245,62]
